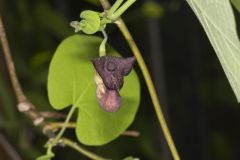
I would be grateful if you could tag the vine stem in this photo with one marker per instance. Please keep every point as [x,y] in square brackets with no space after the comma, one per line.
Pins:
[123,28]
[80,149]
[114,7]
[121,10]
[64,126]
[102,48]
[151,88]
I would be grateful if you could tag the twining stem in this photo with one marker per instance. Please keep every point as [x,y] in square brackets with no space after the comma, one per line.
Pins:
[121,10]
[151,88]
[65,124]
[80,149]
[102,48]
[114,7]
[123,28]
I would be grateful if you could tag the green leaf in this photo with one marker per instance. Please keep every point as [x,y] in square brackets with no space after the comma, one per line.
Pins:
[91,22]
[236,3]
[218,21]
[70,82]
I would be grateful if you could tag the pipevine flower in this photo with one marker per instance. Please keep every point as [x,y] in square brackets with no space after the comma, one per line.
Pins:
[113,69]
[109,78]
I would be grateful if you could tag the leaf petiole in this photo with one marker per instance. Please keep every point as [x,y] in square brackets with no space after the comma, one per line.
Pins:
[114,16]
[102,48]
[54,141]
[115,6]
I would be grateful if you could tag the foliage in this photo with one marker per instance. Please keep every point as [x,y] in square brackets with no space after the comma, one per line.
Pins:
[70,82]
[49,26]
[236,3]
[218,21]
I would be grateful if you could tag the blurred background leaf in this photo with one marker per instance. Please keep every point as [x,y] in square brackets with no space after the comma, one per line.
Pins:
[236,3]
[219,23]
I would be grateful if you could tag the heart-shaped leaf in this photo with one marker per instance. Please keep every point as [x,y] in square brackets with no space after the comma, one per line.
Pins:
[70,82]
[91,22]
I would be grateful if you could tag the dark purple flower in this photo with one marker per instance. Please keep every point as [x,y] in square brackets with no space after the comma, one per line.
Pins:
[109,80]
[113,69]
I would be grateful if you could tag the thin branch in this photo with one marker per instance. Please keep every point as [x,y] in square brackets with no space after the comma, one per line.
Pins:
[123,28]
[25,106]
[16,86]
[11,152]
[56,125]
[55,115]
[77,147]
[131,133]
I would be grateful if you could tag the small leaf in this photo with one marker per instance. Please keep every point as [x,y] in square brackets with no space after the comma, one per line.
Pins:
[91,22]
[218,21]
[71,82]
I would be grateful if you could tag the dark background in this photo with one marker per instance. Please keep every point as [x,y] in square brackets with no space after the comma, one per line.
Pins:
[201,109]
